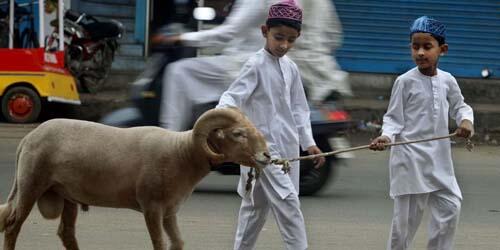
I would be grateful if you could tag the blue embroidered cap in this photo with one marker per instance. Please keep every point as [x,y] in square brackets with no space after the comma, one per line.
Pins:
[426,24]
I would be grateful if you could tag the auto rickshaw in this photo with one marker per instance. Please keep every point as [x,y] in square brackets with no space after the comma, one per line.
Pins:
[32,77]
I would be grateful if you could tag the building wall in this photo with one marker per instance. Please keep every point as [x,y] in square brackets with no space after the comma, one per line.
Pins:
[377,35]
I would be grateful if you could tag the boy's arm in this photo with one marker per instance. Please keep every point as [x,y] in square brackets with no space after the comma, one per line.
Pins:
[393,121]
[301,116]
[460,111]
[301,113]
[239,91]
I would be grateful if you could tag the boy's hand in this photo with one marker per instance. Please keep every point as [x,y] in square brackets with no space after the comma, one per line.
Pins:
[380,143]
[318,162]
[466,129]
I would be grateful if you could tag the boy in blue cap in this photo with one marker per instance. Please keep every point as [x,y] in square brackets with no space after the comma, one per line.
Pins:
[422,174]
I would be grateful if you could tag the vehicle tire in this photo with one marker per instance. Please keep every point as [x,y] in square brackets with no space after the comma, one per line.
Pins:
[313,180]
[21,105]
[107,57]
[91,84]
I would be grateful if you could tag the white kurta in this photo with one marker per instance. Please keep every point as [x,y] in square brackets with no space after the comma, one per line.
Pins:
[269,91]
[314,51]
[239,35]
[419,108]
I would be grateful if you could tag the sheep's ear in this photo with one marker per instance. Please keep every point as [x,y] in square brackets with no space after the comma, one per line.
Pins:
[219,133]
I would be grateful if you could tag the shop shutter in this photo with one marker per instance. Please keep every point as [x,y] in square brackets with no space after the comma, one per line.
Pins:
[376,35]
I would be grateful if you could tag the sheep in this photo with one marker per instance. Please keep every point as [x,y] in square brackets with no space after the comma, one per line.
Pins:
[64,162]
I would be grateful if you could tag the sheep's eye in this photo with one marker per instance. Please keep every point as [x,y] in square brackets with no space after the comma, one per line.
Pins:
[240,134]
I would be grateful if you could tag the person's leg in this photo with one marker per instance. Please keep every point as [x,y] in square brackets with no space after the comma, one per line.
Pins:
[188,82]
[251,219]
[288,216]
[174,108]
[407,215]
[445,211]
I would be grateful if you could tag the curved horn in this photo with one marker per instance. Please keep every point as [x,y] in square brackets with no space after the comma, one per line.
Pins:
[211,120]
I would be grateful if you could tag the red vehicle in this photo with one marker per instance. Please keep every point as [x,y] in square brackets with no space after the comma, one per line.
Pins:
[32,77]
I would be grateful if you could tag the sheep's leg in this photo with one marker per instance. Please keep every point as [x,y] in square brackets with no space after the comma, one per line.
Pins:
[66,229]
[172,229]
[153,216]
[20,212]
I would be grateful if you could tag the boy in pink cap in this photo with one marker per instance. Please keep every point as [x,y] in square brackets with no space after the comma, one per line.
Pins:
[270,92]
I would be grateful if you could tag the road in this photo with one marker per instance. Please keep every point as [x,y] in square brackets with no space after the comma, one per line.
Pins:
[353,213]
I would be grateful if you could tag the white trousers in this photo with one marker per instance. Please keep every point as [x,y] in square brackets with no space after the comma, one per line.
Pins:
[189,82]
[408,210]
[287,214]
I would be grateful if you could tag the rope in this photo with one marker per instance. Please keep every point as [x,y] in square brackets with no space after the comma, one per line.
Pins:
[286,162]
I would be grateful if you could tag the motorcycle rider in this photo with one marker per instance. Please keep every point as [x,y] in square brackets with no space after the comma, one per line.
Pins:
[200,80]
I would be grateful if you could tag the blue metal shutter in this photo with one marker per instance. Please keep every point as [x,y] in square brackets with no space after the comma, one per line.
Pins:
[376,35]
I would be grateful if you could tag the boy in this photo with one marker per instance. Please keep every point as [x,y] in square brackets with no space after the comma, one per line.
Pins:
[270,92]
[421,174]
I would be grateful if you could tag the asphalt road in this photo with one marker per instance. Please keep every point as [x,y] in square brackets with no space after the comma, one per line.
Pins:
[353,213]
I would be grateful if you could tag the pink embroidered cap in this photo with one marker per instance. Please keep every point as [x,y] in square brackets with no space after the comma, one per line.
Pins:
[286,9]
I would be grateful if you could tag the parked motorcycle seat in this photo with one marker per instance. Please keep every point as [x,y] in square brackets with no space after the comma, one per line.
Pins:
[100,30]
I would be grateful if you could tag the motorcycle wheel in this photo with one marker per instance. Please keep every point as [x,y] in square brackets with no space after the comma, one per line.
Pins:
[313,180]
[91,84]
[21,105]
[95,82]
[107,57]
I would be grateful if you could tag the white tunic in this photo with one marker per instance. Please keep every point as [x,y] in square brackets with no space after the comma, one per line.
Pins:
[270,92]
[314,51]
[419,108]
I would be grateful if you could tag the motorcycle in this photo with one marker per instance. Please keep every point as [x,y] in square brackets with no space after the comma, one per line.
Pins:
[328,120]
[90,46]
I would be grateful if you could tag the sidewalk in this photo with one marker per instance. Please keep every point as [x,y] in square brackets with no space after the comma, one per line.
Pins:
[372,93]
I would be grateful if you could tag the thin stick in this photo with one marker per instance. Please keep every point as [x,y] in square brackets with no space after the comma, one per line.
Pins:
[310,157]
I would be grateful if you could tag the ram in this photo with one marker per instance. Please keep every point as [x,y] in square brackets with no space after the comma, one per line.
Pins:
[64,163]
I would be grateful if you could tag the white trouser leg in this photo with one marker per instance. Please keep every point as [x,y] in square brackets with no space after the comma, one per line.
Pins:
[287,214]
[444,213]
[407,215]
[290,221]
[252,218]
[175,106]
